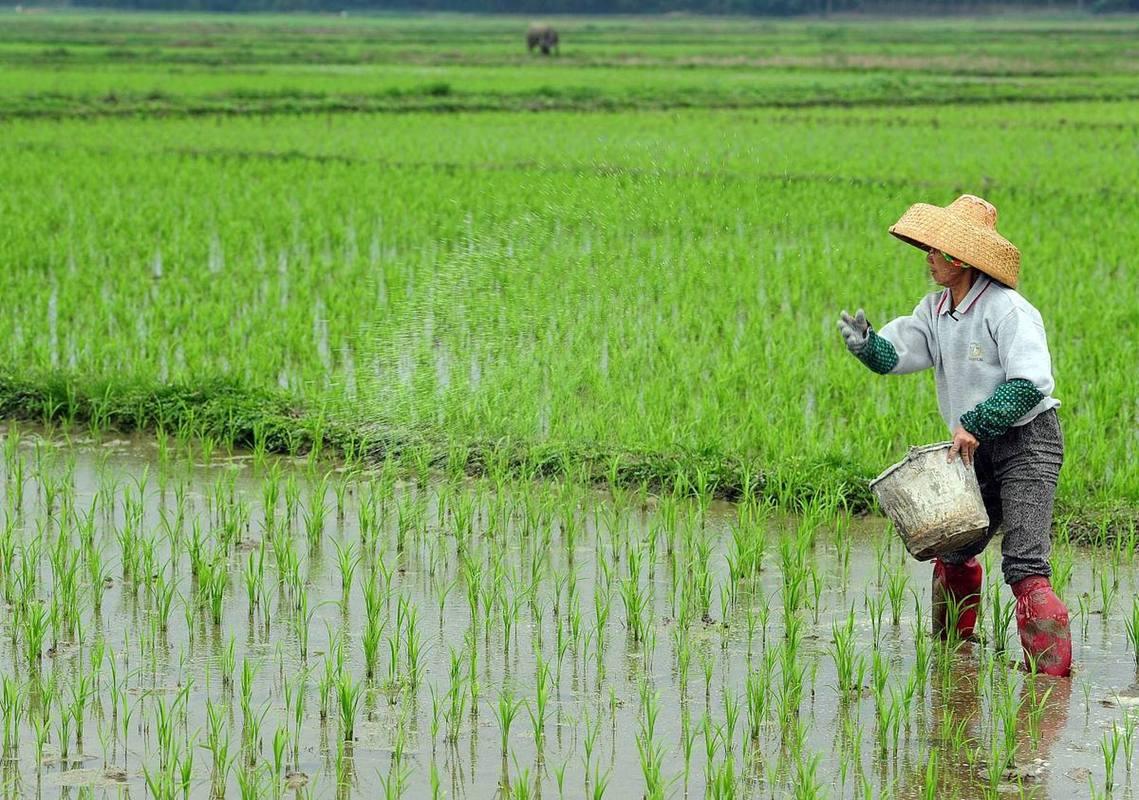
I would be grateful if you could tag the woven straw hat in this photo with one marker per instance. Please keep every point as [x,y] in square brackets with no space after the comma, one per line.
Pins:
[965,229]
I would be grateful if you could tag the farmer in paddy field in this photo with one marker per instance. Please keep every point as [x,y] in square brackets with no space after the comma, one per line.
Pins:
[989,354]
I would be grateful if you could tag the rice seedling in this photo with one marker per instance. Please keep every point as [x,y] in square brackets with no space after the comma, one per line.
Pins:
[651,751]
[348,695]
[1108,585]
[254,578]
[896,585]
[1084,601]
[1001,613]
[217,744]
[315,512]
[875,612]
[844,656]
[1006,725]
[634,597]
[1036,699]
[930,784]
[1109,747]
[33,622]
[165,590]
[11,710]
[1128,740]
[540,711]
[347,558]
[249,783]
[1131,626]
[505,713]
[598,782]
[213,582]
[414,647]
[1062,564]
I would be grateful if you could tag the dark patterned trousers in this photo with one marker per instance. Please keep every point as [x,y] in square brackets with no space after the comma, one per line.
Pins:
[1018,473]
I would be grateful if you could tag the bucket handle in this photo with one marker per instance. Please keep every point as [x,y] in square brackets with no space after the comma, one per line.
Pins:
[916,450]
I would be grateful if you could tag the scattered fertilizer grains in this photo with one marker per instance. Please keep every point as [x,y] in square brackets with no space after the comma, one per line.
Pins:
[184,621]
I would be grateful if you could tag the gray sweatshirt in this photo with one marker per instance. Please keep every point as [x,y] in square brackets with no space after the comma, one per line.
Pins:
[994,336]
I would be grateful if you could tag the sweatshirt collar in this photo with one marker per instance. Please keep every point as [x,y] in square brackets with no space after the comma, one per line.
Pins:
[975,291]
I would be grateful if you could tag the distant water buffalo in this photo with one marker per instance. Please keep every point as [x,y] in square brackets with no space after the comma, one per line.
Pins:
[542,36]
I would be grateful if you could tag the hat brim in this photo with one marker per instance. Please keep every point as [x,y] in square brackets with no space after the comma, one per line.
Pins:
[927,226]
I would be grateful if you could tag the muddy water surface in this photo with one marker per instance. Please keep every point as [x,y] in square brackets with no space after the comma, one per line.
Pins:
[196,638]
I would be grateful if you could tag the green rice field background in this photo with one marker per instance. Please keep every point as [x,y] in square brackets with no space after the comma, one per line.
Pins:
[651,275]
[392,412]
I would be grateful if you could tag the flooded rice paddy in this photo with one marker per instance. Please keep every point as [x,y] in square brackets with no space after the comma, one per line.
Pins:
[187,623]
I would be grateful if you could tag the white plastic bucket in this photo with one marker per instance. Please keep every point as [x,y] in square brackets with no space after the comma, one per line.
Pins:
[935,505]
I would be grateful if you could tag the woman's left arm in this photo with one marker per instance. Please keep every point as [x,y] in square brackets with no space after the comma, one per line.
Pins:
[1023,351]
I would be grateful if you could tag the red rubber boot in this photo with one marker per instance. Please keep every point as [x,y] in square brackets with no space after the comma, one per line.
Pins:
[960,583]
[1042,620]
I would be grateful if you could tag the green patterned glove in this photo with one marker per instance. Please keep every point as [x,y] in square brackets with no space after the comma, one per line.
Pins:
[870,348]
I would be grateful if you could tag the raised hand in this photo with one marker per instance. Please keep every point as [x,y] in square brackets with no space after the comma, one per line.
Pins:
[855,330]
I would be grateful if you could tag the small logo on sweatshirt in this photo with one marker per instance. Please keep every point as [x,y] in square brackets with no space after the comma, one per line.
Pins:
[975,353]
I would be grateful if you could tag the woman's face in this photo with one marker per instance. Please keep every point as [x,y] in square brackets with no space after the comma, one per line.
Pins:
[942,272]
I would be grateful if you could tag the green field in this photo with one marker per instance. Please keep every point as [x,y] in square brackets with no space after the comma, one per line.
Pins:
[117,64]
[645,291]
[321,332]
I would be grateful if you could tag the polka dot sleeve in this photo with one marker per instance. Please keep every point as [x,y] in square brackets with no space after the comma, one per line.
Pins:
[878,354]
[993,417]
